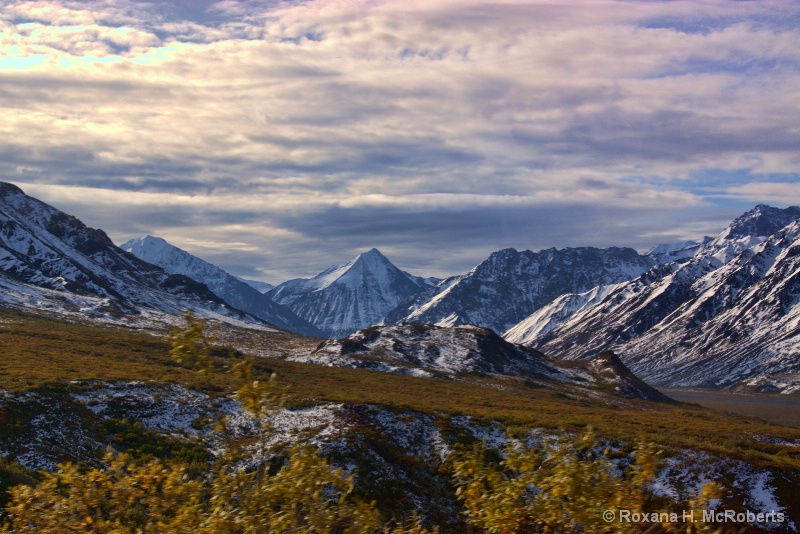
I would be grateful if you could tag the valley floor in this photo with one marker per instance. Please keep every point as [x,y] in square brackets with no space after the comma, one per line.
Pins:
[778,409]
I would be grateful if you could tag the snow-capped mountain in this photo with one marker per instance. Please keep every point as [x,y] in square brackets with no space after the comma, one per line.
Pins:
[231,289]
[720,312]
[728,314]
[51,260]
[347,297]
[510,285]
[667,248]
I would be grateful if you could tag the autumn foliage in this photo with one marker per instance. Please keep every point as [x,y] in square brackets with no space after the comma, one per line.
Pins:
[558,485]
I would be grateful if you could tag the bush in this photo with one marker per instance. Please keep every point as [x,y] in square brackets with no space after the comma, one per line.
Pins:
[306,495]
[564,486]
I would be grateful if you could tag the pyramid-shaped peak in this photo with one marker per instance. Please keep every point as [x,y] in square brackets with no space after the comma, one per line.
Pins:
[350,296]
[372,253]
[372,261]
[153,239]
[372,256]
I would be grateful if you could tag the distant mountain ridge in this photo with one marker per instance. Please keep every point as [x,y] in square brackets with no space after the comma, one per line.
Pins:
[231,289]
[261,287]
[347,297]
[676,251]
[511,284]
[52,260]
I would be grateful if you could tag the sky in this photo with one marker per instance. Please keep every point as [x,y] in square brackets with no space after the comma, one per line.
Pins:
[275,138]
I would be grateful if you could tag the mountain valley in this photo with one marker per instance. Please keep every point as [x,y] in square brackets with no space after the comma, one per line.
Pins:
[394,376]
[717,312]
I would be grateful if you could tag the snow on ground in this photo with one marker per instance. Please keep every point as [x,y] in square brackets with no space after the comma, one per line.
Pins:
[56,430]
[83,307]
[425,350]
[685,474]
[493,434]
[417,434]
[338,360]
[317,424]
[785,384]
[166,408]
[54,434]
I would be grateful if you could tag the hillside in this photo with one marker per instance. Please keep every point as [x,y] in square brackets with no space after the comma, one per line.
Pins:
[52,260]
[393,426]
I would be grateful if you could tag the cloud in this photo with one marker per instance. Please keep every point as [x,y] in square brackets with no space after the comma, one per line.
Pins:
[298,124]
[776,193]
[290,235]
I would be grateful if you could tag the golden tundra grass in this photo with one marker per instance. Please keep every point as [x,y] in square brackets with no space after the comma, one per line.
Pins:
[37,350]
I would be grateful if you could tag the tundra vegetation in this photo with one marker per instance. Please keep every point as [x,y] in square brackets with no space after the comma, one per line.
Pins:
[558,485]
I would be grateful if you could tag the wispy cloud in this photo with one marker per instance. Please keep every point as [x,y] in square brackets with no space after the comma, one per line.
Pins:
[310,129]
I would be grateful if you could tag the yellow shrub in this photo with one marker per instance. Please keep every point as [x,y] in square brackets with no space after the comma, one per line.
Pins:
[566,486]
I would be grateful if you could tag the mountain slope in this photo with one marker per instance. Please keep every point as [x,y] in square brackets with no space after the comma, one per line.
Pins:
[729,313]
[446,352]
[49,256]
[510,285]
[347,297]
[553,315]
[417,349]
[745,322]
[229,288]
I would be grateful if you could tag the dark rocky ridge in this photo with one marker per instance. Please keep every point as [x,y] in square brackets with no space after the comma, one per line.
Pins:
[466,350]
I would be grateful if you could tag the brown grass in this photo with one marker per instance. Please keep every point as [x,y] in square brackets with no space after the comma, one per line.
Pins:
[775,408]
[37,350]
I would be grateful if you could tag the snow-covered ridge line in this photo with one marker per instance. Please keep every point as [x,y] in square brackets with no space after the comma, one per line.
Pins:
[730,313]
[469,351]
[42,248]
[232,290]
[510,285]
